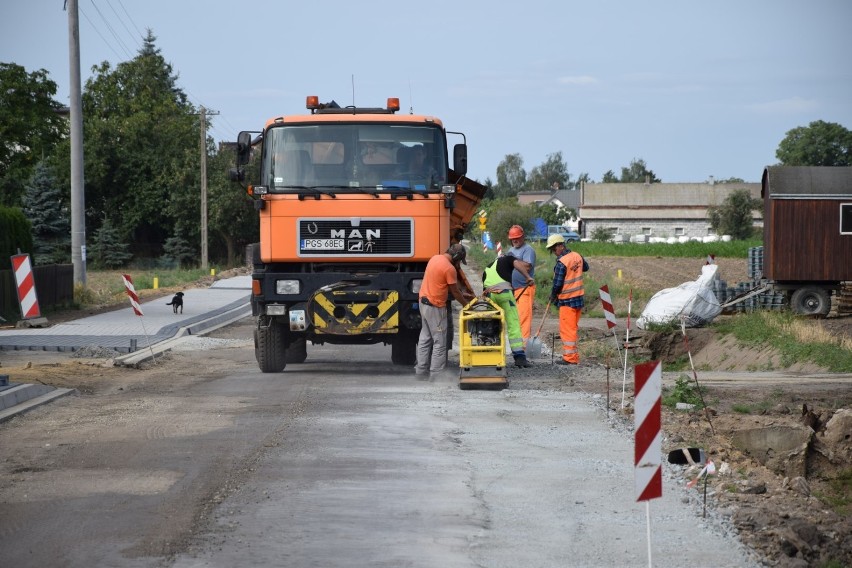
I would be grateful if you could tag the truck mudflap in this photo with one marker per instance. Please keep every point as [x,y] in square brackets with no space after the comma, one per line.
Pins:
[355,312]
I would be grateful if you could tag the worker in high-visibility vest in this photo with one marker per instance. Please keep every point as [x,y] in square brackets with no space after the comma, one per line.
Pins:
[523,284]
[496,281]
[567,294]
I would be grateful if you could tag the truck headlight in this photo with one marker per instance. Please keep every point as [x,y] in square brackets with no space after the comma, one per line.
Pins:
[415,285]
[286,287]
[276,310]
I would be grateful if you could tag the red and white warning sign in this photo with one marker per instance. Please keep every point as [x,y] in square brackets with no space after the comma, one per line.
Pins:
[25,282]
[131,291]
[648,449]
[606,303]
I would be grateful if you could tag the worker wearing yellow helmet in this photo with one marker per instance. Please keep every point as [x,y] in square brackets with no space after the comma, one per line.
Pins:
[567,295]
[523,285]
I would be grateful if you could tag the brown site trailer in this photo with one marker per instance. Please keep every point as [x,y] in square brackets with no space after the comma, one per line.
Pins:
[807,233]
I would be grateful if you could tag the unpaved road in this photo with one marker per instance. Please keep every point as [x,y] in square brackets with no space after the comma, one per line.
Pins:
[203,461]
[343,461]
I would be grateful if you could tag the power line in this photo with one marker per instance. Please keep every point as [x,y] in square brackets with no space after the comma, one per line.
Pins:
[121,21]
[109,27]
[131,19]
[97,31]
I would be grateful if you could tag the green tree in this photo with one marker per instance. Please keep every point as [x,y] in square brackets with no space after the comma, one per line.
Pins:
[49,216]
[511,176]
[178,251]
[818,144]
[636,172]
[734,217]
[550,175]
[504,213]
[231,216]
[15,235]
[109,250]
[142,160]
[30,127]
[603,234]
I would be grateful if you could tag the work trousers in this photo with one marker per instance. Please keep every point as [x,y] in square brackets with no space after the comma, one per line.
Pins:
[569,324]
[510,311]
[432,344]
[525,301]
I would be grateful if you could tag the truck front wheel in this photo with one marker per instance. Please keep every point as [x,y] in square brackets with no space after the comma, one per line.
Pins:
[297,351]
[270,345]
[404,347]
[811,301]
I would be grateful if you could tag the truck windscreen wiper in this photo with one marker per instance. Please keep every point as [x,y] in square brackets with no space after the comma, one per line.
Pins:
[315,192]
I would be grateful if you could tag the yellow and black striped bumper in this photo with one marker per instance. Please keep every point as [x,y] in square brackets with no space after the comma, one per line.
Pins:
[355,312]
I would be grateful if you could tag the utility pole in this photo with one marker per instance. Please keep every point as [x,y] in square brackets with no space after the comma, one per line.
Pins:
[204,113]
[78,196]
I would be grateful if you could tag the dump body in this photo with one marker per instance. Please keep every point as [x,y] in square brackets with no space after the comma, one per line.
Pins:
[352,203]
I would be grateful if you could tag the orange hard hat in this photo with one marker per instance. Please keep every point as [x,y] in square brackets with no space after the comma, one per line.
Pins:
[516,232]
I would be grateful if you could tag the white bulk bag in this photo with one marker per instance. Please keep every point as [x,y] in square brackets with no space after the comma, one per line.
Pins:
[694,302]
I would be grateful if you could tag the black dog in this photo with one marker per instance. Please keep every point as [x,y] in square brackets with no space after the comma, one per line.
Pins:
[177,302]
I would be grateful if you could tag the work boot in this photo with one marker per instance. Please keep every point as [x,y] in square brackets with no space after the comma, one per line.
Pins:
[521,361]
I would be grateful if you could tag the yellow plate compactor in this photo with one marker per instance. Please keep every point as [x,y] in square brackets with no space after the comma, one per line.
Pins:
[482,351]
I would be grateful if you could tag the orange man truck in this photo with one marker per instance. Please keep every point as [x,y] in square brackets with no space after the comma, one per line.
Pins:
[353,203]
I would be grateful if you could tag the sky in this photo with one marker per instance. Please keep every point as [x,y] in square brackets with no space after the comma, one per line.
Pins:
[695,89]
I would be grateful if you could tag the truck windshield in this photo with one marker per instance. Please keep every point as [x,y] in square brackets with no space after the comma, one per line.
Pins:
[354,157]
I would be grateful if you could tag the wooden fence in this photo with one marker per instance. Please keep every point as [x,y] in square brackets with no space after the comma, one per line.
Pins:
[54,286]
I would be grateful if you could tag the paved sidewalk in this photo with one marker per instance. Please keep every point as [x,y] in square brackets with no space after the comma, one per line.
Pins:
[203,309]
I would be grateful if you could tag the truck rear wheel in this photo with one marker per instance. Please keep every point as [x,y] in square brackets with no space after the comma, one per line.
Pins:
[404,347]
[270,346]
[811,301]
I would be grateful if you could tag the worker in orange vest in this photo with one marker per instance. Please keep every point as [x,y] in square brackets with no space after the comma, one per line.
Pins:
[567,294]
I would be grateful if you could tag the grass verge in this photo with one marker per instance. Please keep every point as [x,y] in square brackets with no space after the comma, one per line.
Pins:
[796,339]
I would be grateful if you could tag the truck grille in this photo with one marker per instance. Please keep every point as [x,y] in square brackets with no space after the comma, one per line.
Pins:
[361,237]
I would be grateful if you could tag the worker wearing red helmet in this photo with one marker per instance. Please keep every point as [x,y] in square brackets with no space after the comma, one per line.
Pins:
[522,287]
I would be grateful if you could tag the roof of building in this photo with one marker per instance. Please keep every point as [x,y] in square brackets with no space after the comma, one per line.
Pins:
[661,195]
[808,181]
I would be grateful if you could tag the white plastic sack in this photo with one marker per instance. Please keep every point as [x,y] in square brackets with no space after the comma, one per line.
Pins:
[694,302]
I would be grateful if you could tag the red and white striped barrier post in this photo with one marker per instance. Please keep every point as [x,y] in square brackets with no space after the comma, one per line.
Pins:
[609,311]
[137,309]
[711,259]
[499,249]
[131,292]
[611,322]
[647,459]
[25,282]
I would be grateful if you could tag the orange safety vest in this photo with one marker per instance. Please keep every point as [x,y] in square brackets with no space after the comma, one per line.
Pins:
[573,285]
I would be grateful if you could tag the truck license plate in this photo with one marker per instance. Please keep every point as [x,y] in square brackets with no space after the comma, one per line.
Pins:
[322,244]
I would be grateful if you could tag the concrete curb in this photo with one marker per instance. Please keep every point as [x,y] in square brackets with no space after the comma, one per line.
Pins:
[34,402]
[197,328]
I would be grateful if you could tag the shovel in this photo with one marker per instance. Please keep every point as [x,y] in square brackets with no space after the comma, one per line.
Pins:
[533,349]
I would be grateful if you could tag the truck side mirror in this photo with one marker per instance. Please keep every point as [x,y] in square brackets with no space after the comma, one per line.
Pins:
[460,159]
[243,148]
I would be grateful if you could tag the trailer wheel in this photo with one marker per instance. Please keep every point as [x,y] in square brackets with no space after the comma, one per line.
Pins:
[811,301]
[404,347]
[297,351]
[270,346]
